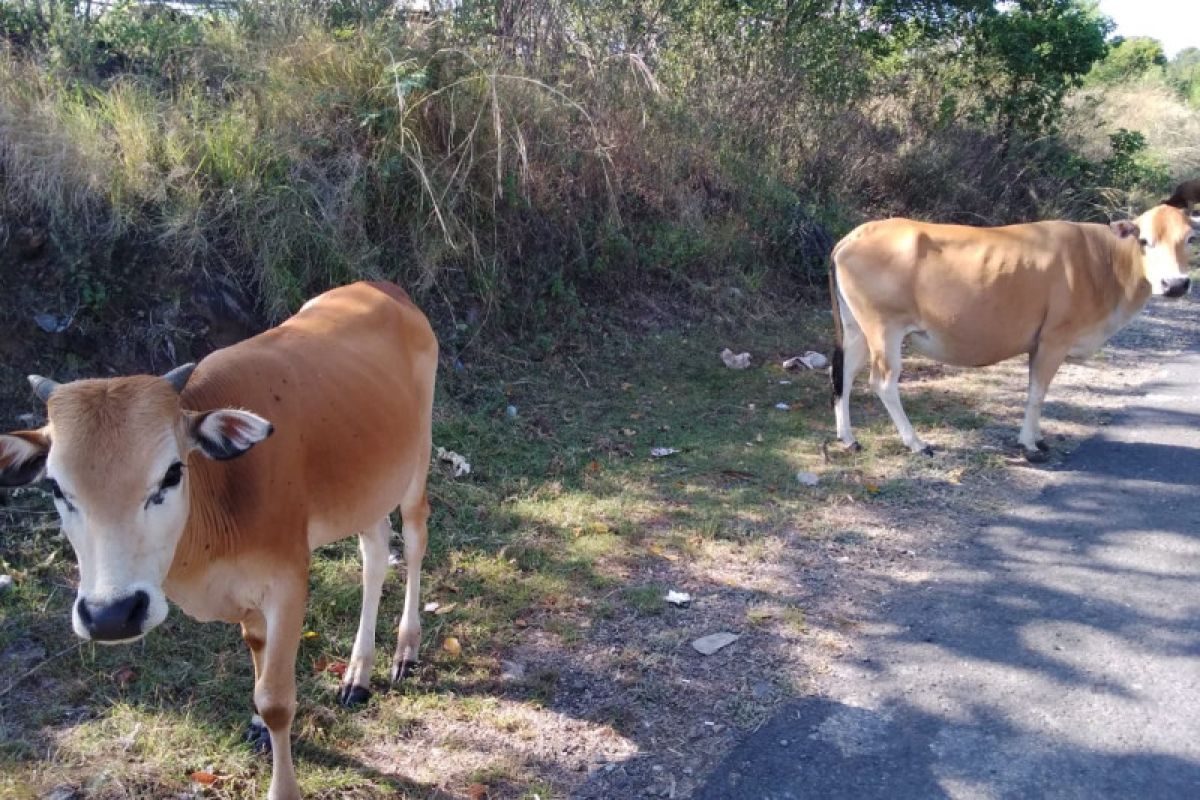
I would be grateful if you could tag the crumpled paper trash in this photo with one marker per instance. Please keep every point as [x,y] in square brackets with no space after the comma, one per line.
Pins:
[735,361]
[810,360]
[461,465]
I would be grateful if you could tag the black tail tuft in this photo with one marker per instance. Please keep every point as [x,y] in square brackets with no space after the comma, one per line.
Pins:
[835,373]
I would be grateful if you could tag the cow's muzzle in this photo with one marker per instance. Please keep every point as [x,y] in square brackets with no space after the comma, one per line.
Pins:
[117,621]
[1176,287]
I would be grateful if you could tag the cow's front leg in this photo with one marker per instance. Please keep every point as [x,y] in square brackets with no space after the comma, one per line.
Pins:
[254,634]
[1043,365]
[275,685]
[356,683]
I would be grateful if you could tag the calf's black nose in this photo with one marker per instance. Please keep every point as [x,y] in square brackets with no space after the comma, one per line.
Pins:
[1176,287]
[112,622]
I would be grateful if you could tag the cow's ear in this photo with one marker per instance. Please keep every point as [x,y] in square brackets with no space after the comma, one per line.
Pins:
[227,433]
[23,457]
[1175,201]
[1125,228]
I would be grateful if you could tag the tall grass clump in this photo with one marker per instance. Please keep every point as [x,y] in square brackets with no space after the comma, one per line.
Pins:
[517,162]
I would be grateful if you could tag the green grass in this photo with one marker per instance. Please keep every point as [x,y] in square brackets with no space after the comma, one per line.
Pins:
[552,531]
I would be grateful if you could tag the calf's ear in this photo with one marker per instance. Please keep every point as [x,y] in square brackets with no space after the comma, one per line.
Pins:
[23,457]
[1124,228]
[226,433]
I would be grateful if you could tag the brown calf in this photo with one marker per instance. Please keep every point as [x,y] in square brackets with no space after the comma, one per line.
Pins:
[162,497]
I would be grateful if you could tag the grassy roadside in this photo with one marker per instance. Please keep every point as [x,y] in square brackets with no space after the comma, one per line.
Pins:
[549,563]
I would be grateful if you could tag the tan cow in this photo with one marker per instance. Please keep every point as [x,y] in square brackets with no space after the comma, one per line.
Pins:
[976,296]
[160,498]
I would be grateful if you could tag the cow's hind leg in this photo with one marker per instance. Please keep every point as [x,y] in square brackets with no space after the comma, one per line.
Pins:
[885,380]
[1043,365]
[356,683]
[414,515]
[853,357]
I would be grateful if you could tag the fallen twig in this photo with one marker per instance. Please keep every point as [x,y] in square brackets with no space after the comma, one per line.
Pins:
[39,665]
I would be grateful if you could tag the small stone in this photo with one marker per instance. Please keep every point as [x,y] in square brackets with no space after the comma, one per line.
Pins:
[6,582]
[762,690]
[512,671]
[707,645]
[783,742]
[511,411]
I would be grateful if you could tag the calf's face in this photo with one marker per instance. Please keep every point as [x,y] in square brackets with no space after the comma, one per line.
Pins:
[114,456]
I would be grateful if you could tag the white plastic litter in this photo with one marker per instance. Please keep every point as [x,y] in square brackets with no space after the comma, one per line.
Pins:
[810,360]
[681,599]
[783,407]
[735,361]
[460,464]
[662,452]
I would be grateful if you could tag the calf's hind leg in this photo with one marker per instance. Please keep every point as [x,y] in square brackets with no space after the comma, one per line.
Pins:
[414,515]
[356,683]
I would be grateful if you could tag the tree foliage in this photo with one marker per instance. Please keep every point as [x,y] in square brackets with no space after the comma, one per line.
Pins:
[1129,59]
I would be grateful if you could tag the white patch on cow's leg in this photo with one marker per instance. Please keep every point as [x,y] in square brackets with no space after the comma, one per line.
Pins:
[275,688]
[885,380]
[1031,428]
[356,683]
[854,357]
[416,536]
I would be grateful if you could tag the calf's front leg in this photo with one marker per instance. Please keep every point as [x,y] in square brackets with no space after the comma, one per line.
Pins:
[275,681]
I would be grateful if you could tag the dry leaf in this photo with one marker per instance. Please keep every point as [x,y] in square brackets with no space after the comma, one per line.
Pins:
[477,791]
[311,635]
[446,609]
[124,675]
[337,668]
[452,646]
[206,778]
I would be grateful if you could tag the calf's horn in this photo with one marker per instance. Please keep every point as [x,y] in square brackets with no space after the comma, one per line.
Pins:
[178,377]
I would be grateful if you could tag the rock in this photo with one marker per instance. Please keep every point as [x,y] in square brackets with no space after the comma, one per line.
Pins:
[63,792]
[707,645]
[512,671]
[762,690]
[6,583]
[808,478]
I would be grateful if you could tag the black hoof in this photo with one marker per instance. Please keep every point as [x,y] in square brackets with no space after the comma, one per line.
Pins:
[854,447]
[1041,445]
[352,696]
[401,670]
[927,450]
[1037,456]
[258,737]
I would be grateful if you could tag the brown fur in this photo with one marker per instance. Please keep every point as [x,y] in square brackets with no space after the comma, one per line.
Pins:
[347,384]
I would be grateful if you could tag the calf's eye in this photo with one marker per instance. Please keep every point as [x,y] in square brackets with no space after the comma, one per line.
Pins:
[173,477]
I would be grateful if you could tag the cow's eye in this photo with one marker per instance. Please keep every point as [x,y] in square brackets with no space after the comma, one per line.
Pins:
[1143,243]
[173,477]
[57,492]
[170,480]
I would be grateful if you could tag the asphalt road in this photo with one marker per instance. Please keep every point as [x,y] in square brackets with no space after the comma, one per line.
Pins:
[1058,657]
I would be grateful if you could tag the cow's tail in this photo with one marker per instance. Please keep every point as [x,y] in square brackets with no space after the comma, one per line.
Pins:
[836,361]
